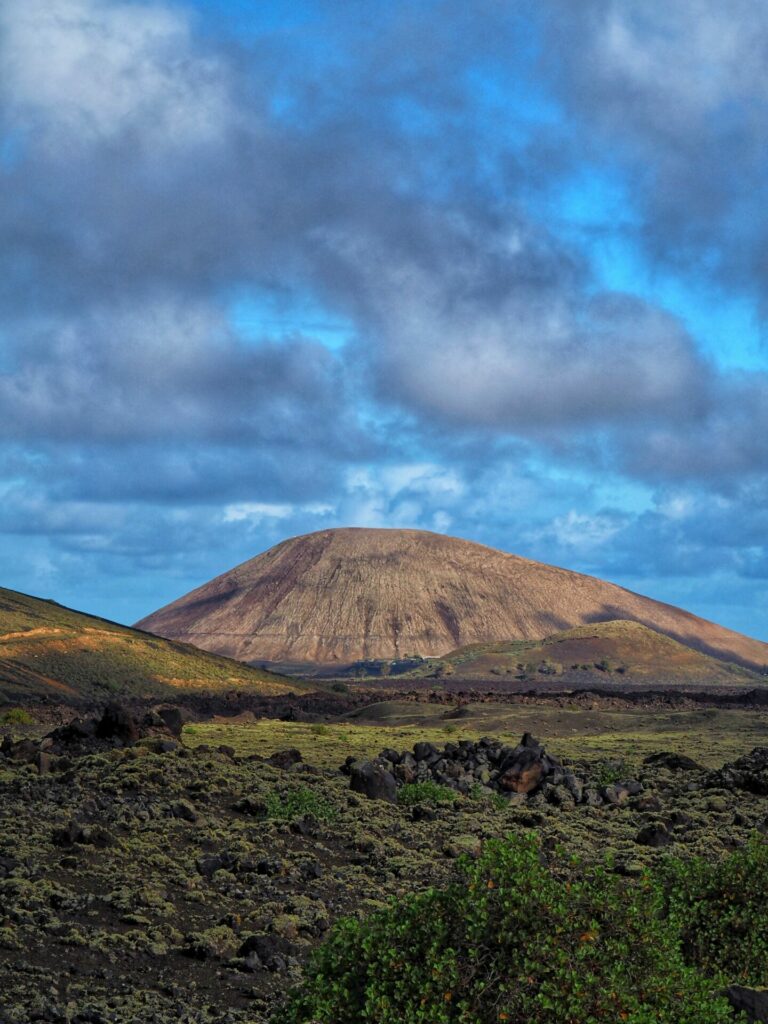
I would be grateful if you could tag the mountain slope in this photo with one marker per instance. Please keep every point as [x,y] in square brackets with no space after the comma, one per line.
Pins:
[46,649]
[621,650]
[340,596]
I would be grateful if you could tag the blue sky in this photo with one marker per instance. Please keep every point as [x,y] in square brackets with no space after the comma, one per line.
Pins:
[494,270]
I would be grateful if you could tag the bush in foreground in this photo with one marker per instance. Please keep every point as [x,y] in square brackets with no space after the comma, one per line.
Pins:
[720,909]
[512,941]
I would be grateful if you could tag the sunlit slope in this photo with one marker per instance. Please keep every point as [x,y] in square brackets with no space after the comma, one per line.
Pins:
[340,596]
[46,649]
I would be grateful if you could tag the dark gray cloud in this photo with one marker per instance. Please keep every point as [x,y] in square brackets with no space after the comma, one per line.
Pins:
[168,371]
[163,171]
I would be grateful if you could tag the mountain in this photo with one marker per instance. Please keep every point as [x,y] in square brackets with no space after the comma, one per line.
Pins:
[46,649]
[339,596]
[621,650]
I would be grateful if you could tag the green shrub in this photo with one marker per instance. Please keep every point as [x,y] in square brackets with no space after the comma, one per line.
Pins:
[17,716]
[295,803]
[721,911]
[425,793]
[511,941]
[604,773]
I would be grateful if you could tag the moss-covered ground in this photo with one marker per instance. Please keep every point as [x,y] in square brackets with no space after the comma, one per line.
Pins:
[711,735]
[189,886]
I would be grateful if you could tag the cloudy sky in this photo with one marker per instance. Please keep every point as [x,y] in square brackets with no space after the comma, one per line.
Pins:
[497,269]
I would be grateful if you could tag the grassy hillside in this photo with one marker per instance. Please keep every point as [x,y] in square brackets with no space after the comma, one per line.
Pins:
[617,651]
[46,649]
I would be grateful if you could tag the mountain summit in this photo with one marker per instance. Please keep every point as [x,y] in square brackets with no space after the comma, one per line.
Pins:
[350,594]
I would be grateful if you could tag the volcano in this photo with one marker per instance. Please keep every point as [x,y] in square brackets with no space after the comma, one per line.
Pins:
[340,596]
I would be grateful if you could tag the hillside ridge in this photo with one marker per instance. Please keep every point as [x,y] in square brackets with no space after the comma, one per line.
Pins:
[49,650]
[342,595]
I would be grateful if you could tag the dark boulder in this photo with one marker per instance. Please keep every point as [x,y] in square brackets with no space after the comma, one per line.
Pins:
[209,865]
[654,835]
[373,780]
[173,720]
[285,758]
[752,1001]
[526,768]
[117,723]
[265,951]
[23,751]
[749,773]
[674,762]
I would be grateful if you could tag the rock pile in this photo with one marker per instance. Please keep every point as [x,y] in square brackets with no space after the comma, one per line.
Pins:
[116,727]
[749,773]
[485,766]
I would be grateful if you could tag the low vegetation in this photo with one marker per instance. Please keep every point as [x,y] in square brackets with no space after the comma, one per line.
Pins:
[293,804]
[517,940]
[430,793]
[720,911]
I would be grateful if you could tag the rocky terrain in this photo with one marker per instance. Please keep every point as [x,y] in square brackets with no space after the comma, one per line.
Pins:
[48,652]
[340,596]
[144,879]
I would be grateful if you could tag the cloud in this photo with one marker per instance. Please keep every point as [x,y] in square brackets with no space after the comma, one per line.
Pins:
[465,308]
[675,95]
[166,371]
[395,172]
[81,72]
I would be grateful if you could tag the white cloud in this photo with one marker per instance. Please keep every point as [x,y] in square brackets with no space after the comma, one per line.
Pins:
[580,531]
[87,70]
[255,512]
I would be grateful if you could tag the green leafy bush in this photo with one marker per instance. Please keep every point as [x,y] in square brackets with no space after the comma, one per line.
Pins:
[721,911]
[295,803]
[431,793]
[512,941]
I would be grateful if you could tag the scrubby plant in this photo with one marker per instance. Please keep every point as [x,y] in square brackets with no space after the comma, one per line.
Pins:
[605,773]
[512,941]
[16,716]
[721,910]
[296,803]
[425,793]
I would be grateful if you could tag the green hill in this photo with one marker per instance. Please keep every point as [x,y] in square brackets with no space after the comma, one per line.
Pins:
[49,650]
[619,650]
